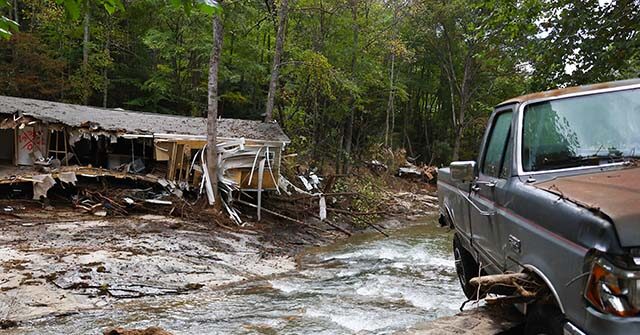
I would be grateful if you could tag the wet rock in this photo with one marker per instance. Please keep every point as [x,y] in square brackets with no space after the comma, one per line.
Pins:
[480,321]
[6,324]
[193,286]
[148,331]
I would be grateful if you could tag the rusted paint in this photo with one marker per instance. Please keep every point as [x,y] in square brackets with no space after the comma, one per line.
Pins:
[614,193]
[570,90]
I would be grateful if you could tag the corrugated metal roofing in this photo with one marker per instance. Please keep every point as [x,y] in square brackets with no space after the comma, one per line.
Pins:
[137,122]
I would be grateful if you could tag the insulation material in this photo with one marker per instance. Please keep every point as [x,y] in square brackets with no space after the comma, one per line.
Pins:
[306,183]
[41,185]
[162,150]
[206,181]
[285,185]
[260,178]
[68,177]
[314,180]
[323,208]
[78,134]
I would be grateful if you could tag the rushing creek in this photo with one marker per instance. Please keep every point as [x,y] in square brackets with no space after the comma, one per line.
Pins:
[367,284]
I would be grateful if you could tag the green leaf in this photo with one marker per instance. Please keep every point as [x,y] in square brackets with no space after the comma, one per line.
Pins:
[6,26]
[10,23]
[112,6]
[5,33]
[109,8]
[209,7]
[71,7]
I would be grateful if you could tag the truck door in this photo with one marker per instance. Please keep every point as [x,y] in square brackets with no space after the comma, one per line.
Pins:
[492,178]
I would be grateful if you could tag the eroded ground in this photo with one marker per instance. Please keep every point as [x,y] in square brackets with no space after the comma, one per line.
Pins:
[56,262]
[62,262]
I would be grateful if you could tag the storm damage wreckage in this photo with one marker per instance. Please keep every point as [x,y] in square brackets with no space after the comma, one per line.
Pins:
[44,143]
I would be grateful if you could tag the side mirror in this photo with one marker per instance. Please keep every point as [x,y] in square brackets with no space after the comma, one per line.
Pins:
[463,171]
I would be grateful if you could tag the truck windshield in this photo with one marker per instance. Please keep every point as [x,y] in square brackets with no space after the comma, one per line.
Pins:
[581,131]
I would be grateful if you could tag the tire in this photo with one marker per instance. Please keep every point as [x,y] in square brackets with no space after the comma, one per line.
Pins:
[466,268]
[544,320]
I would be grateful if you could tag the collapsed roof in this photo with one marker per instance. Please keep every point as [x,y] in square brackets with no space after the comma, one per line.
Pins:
[137,123]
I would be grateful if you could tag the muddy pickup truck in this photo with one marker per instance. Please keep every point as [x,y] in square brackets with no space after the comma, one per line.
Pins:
[555,192]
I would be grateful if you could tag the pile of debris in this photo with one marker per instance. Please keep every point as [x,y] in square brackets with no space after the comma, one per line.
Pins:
[426,173]
[408,170]
[123,201]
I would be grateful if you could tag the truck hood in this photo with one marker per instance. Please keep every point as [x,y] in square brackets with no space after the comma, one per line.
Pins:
[614,193]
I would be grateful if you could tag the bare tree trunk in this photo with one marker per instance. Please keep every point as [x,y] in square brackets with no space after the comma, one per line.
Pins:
[390,104]
[85,51]
[466,93]
[15,11]
[275,70]
[354,65]
[105,77]
[212,111]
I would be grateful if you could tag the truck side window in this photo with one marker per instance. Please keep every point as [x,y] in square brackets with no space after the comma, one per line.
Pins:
[496,145]
[505,172]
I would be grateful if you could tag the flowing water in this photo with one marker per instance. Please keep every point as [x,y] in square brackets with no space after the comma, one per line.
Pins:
[367,284]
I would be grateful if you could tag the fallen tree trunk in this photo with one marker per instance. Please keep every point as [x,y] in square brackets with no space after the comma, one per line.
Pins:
[500,279]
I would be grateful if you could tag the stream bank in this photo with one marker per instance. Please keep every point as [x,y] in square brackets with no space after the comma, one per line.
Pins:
[365,284]
[58,263]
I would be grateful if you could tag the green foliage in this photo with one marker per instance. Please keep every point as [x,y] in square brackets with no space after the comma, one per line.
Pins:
[368,187]
[73,8]
[7,25]
[586,42]
[334,89]
[209,7]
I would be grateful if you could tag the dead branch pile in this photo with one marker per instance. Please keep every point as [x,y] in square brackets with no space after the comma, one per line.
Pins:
[425,173]
[521,287]
[109,199]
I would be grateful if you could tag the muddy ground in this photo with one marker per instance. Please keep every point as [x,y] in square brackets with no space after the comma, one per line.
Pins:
[57,261]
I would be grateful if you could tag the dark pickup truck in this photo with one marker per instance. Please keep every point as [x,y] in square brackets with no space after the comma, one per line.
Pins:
[555,192]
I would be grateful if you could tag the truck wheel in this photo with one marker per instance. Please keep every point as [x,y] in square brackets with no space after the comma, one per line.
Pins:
[544,320]
[466,267]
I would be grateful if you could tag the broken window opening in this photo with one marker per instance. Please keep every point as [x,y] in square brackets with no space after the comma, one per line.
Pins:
[7,149]
[59,146]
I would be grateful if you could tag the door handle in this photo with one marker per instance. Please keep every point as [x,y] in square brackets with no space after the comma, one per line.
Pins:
[472,203]
[475,187]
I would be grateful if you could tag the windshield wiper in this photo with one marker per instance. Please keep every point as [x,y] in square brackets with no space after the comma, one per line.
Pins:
[573,161]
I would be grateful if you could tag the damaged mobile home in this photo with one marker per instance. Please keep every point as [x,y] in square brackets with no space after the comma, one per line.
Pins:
[44,142]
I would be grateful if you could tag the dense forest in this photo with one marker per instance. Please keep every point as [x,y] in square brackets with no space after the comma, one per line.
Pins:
[354,79]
